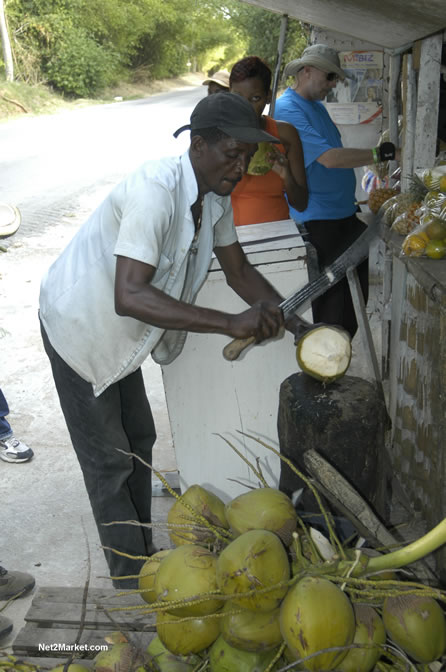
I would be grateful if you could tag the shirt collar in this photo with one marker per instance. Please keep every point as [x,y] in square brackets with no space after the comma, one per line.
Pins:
[190,179]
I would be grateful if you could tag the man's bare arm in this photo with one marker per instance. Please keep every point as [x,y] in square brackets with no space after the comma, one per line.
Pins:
[136,297]
[348,157]
[251,285]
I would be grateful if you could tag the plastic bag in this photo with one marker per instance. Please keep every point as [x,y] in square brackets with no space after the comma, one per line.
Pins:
[429,237]
[396,206]
[409,220]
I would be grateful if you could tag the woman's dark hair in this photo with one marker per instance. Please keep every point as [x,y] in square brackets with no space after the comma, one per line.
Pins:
[251,66]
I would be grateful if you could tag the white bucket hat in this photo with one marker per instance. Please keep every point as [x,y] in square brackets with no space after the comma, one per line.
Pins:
[319,56]
[221,78]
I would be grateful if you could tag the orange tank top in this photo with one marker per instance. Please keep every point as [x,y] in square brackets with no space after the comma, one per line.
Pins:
[261,198]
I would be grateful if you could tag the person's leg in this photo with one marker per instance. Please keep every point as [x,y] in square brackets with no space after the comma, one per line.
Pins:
[11,449]
[5,427]
[118,486]
[139,427]
[331,239]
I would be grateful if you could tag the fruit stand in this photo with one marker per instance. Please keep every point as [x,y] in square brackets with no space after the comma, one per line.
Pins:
[410,36]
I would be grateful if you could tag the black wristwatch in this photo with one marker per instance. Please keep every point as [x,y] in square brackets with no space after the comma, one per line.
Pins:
[386,151]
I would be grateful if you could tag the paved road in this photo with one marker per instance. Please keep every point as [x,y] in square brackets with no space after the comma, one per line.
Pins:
[56,169]
[49,163]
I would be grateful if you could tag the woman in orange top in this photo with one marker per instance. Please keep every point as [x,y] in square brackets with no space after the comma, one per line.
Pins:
[261,198]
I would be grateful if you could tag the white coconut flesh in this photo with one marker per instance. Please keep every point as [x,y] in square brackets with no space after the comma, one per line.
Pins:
[325,353]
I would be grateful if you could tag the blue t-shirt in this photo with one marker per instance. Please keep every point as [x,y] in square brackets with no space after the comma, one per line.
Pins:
[331,190]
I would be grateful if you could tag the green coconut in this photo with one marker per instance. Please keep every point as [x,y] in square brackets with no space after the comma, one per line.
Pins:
[369,630]
[160,659]
[255,560]
[187,573]
[260,163]
[250,630]
[122,656]
[147,573]
[417,625]
[263,509]
[204,503]
[225,658]
[315,615]
[183,636]
[74,667]
[324,353]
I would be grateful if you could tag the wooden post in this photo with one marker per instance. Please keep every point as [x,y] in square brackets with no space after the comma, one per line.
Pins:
[280,47]
[395,67]
[409,120]
[428,102]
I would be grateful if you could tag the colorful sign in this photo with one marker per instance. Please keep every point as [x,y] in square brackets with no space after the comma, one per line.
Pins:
[361,59]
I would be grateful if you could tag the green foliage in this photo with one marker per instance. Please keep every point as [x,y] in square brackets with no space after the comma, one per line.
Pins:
[80,67]
[260,31]
[80,46]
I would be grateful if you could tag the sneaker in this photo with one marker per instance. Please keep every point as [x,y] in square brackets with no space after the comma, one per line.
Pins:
[13,450]
[5,626]
[14,584]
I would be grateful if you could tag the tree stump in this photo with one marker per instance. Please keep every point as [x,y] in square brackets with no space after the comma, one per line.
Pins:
[346,423]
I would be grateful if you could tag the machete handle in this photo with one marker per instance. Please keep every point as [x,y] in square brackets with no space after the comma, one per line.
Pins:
[236,347]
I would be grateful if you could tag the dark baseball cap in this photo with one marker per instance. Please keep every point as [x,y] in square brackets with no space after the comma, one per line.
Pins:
[231,114]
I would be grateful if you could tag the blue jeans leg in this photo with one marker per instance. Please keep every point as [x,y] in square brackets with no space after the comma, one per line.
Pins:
[5,427]
[119,486]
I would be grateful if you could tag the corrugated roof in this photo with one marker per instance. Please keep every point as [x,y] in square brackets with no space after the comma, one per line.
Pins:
[386,23]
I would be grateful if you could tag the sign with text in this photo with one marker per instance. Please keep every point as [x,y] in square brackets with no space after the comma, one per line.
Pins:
[361,59]
[364,70]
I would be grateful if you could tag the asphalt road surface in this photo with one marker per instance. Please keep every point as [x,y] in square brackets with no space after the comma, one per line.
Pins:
[48,164]
[57,169]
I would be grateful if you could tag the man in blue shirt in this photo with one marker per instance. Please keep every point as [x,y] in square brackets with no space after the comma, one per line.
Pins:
[330,217]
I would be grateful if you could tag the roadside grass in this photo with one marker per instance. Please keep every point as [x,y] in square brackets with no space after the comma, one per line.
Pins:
[20,100]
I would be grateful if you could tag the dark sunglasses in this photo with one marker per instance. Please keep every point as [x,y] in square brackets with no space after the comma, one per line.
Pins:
[332,77]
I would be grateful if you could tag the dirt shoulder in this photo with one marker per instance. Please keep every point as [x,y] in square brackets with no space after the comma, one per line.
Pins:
[19,100]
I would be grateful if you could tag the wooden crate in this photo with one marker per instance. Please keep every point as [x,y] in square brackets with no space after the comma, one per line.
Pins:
[53,620]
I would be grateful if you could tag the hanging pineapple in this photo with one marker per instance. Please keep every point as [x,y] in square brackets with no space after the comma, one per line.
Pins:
[408,220]
[379,196]
[400,204]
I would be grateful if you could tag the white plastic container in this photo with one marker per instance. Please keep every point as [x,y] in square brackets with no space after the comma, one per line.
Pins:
[207,395]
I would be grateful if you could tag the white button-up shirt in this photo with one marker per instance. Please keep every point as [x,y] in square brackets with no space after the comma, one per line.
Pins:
[146,217]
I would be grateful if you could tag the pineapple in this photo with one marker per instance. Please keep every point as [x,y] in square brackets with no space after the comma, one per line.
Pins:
[417,188]
[396,206]
[408,220]
[401,203]
[379,196]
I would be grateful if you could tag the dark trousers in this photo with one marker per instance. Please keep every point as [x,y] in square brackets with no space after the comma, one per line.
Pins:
[5,427]
[119,487]
[330,238]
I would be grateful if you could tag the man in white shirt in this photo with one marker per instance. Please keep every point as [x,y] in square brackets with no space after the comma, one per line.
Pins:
[125,288]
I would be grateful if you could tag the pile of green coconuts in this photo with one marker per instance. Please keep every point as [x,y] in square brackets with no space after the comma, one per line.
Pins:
[248,587]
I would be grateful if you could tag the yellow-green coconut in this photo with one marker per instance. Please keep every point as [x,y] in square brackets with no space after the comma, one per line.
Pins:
[417,625]
[250,630]
[369,630]
[225,658]
[183,636]
[316,615]
[255,561]
[184,528]
[186,574]
[147,574]
[160,659]
[263,509]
